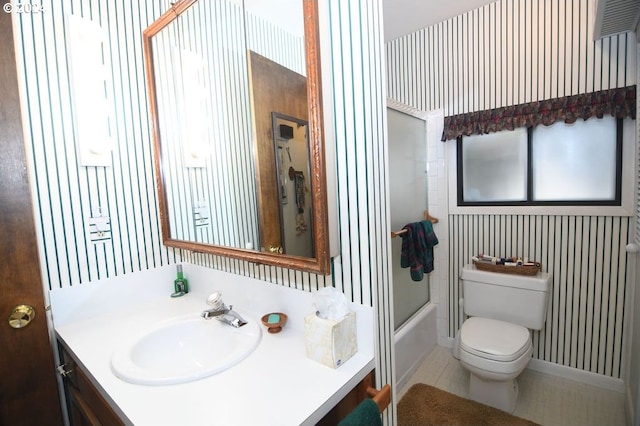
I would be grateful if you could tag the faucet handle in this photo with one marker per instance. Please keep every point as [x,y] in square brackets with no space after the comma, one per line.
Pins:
[215,300]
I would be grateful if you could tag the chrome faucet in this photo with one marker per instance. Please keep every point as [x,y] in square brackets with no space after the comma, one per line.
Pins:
[214,312]
[222,312]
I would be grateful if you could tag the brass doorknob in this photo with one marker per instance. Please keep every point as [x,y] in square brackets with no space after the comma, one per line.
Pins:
[21,316]
[276,249]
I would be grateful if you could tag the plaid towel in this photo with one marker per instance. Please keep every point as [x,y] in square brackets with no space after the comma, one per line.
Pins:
[366,413]
[298,183]
[417,248]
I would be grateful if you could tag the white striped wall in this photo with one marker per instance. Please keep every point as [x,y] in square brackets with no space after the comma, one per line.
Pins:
[274,43]
[358,105]
[63,191]
[507,53]
[586,256]
[511,52]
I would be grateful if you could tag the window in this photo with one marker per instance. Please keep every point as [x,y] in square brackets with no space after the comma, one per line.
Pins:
[562,164]
[495,167]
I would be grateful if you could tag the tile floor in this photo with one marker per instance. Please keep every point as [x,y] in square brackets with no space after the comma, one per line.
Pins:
[544,399]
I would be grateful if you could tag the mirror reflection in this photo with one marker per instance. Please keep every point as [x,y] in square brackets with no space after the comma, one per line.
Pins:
[292,168]
[227,78]
[204,117]
[275,88]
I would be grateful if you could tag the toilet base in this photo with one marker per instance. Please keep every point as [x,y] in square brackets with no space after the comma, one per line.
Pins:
[502,395]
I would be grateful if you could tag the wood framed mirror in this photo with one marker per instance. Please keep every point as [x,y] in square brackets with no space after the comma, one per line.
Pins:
[213,184]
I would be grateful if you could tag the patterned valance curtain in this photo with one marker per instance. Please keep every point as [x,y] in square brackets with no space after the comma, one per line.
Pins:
[620,103]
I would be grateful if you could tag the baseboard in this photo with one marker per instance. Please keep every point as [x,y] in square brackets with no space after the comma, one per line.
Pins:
[576,375]
[565,372]
[629,407]
[446,342]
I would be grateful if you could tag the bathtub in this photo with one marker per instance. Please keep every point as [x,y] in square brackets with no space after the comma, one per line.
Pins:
[414,340]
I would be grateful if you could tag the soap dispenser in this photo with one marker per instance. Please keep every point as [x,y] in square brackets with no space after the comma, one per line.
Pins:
[181,284]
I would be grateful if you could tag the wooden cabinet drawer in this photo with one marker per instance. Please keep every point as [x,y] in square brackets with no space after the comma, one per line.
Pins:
[87,407]
[349,402]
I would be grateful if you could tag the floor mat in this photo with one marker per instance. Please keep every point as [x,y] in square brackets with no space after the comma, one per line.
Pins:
[424,405]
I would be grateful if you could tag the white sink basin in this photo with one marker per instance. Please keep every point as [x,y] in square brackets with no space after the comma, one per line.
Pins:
[184,349]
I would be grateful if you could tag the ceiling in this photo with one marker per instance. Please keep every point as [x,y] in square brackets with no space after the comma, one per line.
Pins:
[402,17]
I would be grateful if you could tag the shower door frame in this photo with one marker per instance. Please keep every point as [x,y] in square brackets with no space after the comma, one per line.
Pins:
[421,115]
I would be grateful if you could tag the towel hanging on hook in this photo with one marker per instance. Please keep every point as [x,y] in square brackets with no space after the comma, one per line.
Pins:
[417,248]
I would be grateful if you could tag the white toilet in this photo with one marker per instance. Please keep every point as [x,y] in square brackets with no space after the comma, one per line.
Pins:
[494,343]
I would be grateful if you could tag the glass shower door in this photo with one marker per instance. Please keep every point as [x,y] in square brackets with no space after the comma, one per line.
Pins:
[408,197]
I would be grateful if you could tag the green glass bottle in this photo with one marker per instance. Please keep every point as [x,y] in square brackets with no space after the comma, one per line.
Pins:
[181,284]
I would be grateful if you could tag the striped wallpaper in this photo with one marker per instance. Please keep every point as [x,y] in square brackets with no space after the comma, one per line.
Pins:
[64,191]
[358,104]
[507,53]
[586,256]
[211,103]
[273,42]
[517,51]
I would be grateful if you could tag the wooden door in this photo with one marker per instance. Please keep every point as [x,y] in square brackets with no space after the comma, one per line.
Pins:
[274,88]
[28,389]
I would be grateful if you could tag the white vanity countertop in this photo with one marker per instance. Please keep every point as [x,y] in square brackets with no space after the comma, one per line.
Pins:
[275,385]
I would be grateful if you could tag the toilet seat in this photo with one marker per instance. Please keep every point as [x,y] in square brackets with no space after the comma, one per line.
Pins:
[494,340]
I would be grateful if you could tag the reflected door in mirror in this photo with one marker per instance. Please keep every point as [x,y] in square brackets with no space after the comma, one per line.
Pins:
[290,136]
[274,88]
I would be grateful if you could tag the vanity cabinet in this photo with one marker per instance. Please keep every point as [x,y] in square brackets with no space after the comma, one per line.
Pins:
[86,406]
[349,402]
[132,306]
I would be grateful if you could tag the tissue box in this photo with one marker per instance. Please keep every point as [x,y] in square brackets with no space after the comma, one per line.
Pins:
[330,342]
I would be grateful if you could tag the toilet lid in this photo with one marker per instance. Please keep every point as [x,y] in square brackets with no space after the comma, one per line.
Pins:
[493,339]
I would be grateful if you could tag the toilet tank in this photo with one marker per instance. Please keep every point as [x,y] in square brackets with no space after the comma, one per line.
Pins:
[517,299]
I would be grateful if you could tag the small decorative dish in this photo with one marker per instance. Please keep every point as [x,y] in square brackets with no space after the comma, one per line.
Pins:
[274,321]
